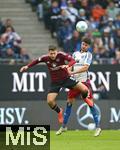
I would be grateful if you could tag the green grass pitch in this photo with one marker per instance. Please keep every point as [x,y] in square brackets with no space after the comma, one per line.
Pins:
[76,140]
[84,140]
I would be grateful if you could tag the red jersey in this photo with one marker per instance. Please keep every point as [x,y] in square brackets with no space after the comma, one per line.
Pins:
[56,72]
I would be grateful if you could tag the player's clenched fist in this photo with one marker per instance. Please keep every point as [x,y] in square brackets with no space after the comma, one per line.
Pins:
[24,68]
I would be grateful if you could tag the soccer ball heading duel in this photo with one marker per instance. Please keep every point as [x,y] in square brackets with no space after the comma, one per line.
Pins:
[81,26]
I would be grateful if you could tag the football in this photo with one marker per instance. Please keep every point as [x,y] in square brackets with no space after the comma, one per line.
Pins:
[91,126]
[81,26]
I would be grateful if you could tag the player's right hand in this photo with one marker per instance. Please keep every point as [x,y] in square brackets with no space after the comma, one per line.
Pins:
[24,68]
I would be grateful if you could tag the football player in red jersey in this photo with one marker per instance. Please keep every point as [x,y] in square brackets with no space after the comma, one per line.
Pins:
[58,69]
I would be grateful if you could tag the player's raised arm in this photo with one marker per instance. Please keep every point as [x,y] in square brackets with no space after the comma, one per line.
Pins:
[31,64]
[25,68]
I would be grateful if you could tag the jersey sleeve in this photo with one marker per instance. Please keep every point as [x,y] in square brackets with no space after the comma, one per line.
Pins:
[69,58]
[42,58]
[88,59]
[36,61]
[66,56]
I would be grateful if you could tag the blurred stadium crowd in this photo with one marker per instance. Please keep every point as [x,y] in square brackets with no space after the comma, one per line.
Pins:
[10,48]
[60,17]
[103,17]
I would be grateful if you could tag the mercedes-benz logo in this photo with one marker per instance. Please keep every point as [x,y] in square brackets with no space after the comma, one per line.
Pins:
[83,113]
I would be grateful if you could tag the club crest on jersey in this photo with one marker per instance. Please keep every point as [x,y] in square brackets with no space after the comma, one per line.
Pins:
[66,62]
[54,65]
[48,62]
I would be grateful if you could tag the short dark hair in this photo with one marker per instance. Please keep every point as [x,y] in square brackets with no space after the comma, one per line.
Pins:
[86,40]
[52,48]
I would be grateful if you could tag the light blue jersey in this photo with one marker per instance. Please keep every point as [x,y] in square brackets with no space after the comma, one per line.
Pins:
[82,58]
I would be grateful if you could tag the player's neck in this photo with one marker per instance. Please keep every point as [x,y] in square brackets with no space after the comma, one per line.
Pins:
[82,51]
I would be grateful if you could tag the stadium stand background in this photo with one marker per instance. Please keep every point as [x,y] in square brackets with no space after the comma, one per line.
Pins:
[59,17]
[103,17]
[29,35]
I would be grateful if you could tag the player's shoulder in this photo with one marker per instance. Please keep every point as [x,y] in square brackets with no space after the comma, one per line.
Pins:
[64,55]
[76,53]
[43,57]
[89,54]
[61,53]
